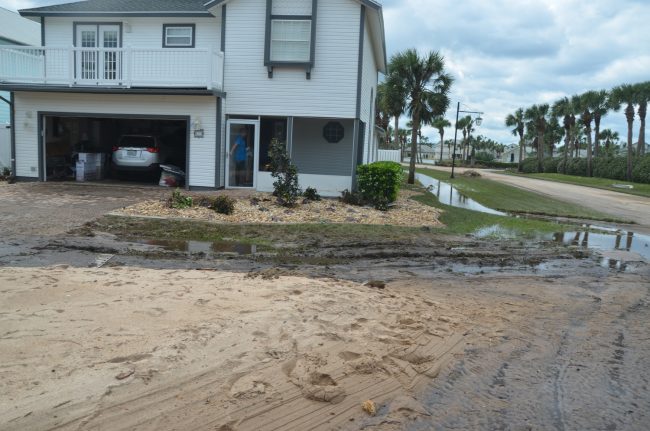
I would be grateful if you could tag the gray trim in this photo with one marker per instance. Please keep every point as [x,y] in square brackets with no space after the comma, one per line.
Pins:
[186,118]
[355,143]
[218,144]
[112,90]
[164,33]
[362,35]
[12,121]
[118,14]
[308,65]
[27,179]
[42,31]
[290,136]
[97,23]
[203,189]
[41,153]
[223,28]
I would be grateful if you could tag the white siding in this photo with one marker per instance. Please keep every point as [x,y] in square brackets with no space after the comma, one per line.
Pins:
[291,7]
[202,150]
[144,32]
[368,95]
[331,91]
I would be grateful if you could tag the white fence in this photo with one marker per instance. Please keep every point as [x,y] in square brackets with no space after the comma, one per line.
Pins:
[390,156]
[120,67]
[5,146]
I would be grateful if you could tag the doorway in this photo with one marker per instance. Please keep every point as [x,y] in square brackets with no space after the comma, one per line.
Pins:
[243,153]
[103,63]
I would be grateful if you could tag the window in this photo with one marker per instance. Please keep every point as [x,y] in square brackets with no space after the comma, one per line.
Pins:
[178,35]
[291,40]
[333,132]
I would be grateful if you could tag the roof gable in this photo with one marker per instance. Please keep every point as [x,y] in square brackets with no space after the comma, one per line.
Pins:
[122,7]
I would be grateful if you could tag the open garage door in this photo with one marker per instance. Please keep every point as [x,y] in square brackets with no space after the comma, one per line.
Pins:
[97,147]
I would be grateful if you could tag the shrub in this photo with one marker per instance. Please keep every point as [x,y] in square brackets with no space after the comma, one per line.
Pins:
[614,168]
[529,166]
[311,194]
[180,201]
[577,166]
[351,198]
[484,157]
[641,171]
[223,205]
[550,164]
[285,187]
[379,183]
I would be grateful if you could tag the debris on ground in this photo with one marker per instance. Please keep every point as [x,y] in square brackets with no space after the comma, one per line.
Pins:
[471,173]
[377,284]
[369,407]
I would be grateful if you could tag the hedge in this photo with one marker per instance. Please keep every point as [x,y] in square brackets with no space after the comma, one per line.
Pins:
[641,170]
[379,183]
[530,166]
[550,164]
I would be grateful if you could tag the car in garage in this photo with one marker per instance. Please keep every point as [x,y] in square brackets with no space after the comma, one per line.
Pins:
[136,153]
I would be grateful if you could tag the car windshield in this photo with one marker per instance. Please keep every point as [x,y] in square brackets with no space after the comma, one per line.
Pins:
[137,141]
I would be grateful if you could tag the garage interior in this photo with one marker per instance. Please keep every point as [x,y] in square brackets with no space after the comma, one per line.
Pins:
[68,137]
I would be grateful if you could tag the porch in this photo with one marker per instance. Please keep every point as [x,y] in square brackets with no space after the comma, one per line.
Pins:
[112,67]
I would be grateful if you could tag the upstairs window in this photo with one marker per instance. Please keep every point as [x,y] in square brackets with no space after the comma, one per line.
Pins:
[291,40]
[178,35]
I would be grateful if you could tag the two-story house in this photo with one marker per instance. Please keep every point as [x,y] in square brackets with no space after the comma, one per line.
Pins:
[204,77]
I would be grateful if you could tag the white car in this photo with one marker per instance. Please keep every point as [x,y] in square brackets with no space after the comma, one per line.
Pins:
[136,153]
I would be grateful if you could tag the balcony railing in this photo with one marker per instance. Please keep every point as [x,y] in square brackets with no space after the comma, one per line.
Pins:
[112,67]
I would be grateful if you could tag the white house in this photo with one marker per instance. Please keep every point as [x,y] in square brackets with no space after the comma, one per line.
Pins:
[201,74]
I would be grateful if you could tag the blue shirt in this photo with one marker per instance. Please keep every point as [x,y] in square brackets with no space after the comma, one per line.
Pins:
[240,149]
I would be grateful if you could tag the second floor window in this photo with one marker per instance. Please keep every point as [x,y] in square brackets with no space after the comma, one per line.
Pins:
[178,36]
[290,40]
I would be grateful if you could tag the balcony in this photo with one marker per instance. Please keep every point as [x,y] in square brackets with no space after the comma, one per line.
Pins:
[112,67]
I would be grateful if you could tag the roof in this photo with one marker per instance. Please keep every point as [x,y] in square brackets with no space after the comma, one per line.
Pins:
[122,7]
[19,30]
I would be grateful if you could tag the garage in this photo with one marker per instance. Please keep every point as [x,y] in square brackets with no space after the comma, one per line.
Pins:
[100,147]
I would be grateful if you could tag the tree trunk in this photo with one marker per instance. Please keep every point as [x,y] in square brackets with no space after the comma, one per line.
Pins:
[629,114]
[589,168]
[414,146]
[442,143]
[597,135]
[641,145]
[567,147]
[521,152]
[540,150]
[397,140]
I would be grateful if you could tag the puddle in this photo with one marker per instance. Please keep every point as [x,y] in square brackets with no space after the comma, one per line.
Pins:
[206,247]
[448,195]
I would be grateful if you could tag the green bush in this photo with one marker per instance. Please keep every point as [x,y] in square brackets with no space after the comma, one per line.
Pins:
[614,168]
[379,183]
[351,198]
[529,166]
[311,194]
[479,164]
[484,157]
[641,171]
[577,167]
[223,205]
[550,164]
[285,187]
[180,201]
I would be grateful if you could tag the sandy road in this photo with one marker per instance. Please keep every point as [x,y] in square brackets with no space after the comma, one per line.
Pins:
[635,208]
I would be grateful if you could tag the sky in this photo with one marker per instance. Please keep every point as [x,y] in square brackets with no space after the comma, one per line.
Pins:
[506,54]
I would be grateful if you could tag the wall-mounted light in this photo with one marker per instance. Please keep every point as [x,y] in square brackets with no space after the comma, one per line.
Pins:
[197,127]
[127,26]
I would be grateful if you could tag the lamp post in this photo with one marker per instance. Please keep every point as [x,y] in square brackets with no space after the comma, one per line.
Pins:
[478,120]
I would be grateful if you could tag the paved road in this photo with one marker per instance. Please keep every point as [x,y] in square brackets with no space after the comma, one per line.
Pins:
[635,208]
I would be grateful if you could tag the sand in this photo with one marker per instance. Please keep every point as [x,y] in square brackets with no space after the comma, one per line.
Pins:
[129,348]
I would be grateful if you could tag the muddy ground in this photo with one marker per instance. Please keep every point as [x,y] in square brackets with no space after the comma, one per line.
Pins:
[516,335]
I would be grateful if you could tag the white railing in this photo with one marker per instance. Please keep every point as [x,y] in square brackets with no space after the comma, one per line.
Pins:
[389,156]
[118,67]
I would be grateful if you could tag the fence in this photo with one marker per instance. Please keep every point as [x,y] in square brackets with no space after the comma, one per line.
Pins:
[390,156]
[5,146]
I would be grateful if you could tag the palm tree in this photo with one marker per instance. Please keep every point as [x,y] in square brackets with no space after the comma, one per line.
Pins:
[462,125]
[426,86]
[564,108]
[643,96]
[537,114]
[599,107]
[516,120]
[390,97]
[626,94]
[440,123]
[587,101]
[610,137]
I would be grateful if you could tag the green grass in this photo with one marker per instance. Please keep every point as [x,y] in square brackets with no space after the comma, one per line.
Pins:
[598,183]
[461,221]
[511,199]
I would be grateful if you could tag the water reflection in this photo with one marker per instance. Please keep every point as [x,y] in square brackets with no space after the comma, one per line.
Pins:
[198,247]
[448,195]
[619,240]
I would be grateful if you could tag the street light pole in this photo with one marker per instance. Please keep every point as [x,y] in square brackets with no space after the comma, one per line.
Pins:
[478,123]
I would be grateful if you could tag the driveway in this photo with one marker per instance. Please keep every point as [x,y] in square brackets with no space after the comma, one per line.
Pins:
[43,209]
[635,208]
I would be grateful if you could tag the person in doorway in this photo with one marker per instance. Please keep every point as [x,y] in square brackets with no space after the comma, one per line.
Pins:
[239,154]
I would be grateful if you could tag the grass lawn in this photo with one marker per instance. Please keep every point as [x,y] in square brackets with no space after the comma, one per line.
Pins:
[514,200]
[599,183]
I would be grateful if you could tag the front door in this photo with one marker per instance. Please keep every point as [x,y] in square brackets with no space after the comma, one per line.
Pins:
[242,152]
[99,59]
